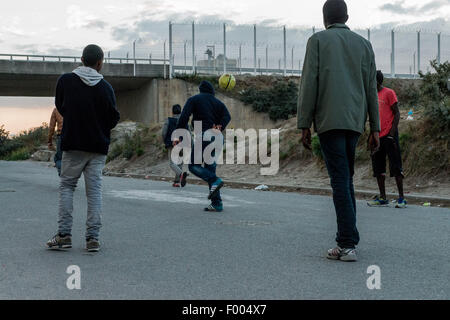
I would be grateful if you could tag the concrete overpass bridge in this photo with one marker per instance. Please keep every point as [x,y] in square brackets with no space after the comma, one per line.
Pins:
[144,92]
[133,80]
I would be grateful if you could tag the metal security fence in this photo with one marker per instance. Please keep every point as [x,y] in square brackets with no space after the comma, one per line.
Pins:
[215,48]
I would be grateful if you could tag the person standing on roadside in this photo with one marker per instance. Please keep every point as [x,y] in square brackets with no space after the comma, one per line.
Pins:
[88,104]
[338,90]
[389,146]
[56,122]
[168,128]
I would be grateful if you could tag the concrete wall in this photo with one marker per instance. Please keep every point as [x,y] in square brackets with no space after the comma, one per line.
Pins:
[48,68]
[153,104]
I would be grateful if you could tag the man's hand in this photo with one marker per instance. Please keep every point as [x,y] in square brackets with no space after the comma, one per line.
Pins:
[306,139]
[374,142]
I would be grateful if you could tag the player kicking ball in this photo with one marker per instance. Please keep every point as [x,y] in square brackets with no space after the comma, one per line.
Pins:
[389,146]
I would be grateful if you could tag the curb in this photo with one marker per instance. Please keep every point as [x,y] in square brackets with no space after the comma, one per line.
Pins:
[360,194]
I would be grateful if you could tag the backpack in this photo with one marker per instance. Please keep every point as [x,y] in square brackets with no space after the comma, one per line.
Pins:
[172,126]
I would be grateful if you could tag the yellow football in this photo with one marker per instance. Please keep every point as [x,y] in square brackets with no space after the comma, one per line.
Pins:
[227,82]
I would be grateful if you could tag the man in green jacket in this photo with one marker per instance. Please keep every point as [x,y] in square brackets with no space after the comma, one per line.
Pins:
[337,92]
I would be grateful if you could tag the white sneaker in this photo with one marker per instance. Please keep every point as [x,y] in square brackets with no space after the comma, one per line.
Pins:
[342,254]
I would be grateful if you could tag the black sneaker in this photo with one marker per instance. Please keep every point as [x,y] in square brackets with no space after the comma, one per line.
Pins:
[59,242]
[92,245]
[184,176]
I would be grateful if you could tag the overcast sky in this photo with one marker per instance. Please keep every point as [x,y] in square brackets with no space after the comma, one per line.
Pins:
[65,27]
[55,26]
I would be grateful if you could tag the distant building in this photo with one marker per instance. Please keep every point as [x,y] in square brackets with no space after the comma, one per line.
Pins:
[217,63]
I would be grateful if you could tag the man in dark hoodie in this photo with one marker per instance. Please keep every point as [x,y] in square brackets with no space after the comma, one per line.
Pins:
[213,114]
[88,105]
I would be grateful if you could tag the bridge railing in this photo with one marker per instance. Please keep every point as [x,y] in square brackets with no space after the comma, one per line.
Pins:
[52,58]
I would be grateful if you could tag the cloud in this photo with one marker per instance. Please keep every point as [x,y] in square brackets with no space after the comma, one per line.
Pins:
[78,19]
[400,7]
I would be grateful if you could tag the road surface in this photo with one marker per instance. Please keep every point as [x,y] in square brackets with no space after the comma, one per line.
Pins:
[159,244]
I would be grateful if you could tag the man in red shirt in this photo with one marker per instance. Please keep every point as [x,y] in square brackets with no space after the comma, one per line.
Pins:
[389,146]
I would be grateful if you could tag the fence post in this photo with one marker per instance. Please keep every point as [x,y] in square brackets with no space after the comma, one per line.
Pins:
[193,47]
[185,56]
[418,51]
[267,59]
[259,65]
[439,48]
[171,61]
[254,46]
[240,58]
[292,71]
[368,34]
[393,53]
[165,71]
[224,48]
[299,67]
[284,51]
[414,63]
[150,58]
[134,58]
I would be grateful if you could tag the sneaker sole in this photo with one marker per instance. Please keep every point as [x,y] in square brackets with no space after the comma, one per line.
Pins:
[93,250]
[59,248]
[378,205]
[216,191]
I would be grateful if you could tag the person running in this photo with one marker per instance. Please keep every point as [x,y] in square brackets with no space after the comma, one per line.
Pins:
[168,128]
[56,122]
[88,105]
[213,114]
[338,89]
[389,146]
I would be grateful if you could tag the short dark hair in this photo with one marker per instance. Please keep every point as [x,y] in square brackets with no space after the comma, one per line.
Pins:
[335,11]
[176,109]
[380,77]
[92,54]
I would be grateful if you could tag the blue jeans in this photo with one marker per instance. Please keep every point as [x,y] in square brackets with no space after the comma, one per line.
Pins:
[58,154]
[207,173]
[338,148]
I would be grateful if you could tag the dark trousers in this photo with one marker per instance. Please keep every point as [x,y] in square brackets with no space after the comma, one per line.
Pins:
[206,172]
[338,148]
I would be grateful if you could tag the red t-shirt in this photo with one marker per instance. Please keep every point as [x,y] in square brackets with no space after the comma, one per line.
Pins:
[386,99]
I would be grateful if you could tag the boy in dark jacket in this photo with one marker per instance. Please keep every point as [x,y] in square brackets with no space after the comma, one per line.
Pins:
[213,114]
[88,105]
[169,127]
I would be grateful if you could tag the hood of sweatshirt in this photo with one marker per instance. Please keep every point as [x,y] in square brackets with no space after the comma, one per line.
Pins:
[206,87]
[88,75]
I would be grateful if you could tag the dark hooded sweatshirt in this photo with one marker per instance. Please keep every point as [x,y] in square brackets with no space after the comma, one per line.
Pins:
[205,107]
[89,113]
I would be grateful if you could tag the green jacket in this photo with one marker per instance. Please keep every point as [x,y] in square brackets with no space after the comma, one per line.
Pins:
[338,87]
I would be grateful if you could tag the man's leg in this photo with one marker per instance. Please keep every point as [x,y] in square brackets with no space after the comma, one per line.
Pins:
[396,168]
[93,181]
[337,149]
[379,172]
[216,200]
[198,170]
[177,169]
[58,154]
[73,163]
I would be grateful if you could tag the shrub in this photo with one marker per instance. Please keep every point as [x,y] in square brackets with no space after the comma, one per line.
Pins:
[435,98]
[280,101]
[22,145]
[18,155]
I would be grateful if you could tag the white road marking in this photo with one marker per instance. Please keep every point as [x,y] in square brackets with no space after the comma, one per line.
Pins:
[187,197]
